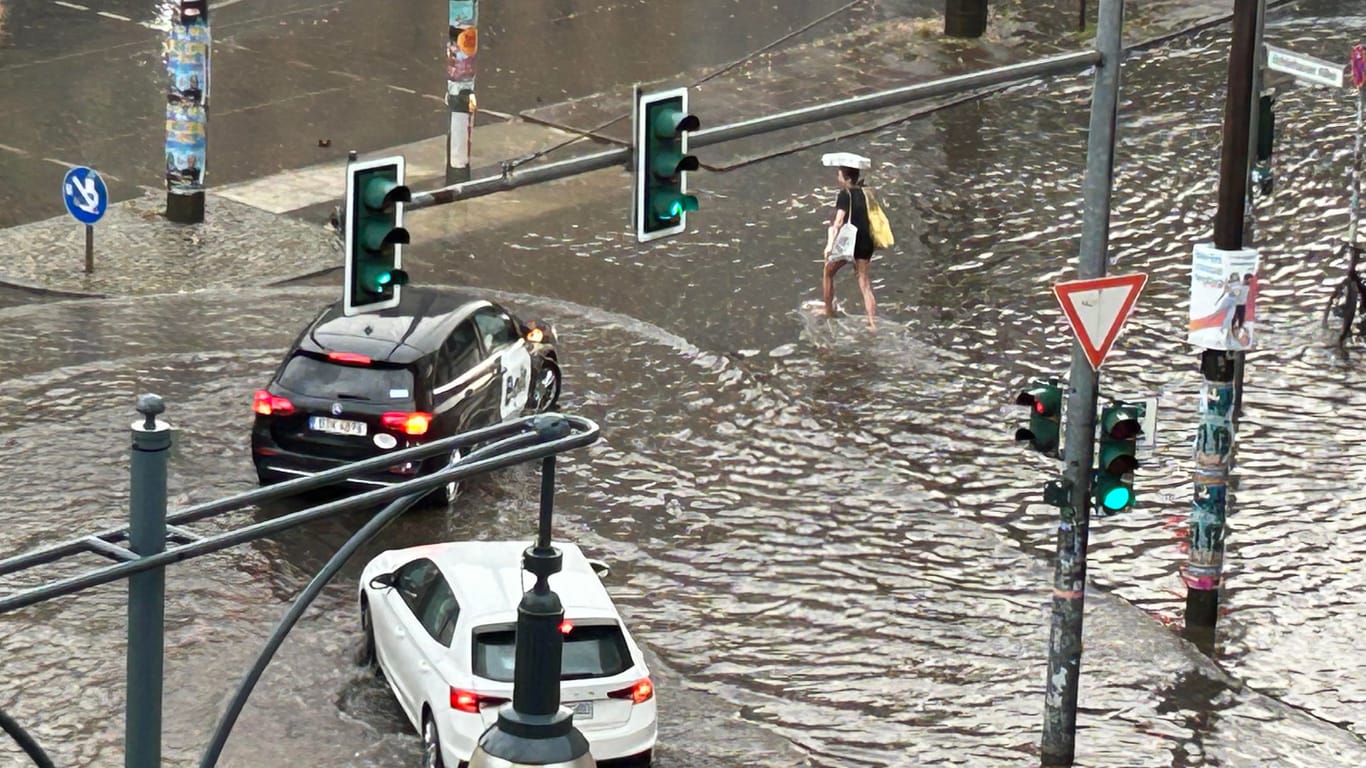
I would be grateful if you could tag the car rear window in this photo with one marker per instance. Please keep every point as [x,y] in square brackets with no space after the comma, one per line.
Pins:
[324,378]
[591,651]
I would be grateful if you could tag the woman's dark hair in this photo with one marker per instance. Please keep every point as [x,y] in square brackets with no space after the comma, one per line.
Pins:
[851,174]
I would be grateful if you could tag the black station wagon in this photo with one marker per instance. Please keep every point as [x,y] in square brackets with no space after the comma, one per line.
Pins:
[436,365]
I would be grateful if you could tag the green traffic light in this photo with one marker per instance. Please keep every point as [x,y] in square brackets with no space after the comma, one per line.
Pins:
[375,278]
[1120,427]
[1116,499]
[672,206]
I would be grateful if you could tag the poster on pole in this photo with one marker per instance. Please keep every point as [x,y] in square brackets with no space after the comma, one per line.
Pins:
[186,57]
[1223,299]
[462,45]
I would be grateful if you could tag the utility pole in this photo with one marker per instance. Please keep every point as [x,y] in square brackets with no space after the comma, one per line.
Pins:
[186,56]
[1214,438]
[1069,579]
[1253,128]
[462,46]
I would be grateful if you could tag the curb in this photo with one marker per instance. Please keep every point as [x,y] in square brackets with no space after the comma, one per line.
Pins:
[44,290]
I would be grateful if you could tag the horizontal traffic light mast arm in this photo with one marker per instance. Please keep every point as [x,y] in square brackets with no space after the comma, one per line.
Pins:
[818,113]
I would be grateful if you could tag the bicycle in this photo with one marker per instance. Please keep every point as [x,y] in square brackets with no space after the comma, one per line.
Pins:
[1349,298]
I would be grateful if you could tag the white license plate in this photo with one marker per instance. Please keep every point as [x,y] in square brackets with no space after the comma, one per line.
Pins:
[583,709]
[337,426]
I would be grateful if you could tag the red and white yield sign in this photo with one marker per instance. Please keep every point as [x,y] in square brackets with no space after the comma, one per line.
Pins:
[1096,309]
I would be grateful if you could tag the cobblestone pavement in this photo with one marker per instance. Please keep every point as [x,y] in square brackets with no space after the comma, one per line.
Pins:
[138,252]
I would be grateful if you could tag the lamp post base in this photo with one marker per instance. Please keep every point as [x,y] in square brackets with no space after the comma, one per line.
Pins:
[523,741]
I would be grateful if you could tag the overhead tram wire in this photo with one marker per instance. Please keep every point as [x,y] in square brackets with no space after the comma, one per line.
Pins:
[509,166]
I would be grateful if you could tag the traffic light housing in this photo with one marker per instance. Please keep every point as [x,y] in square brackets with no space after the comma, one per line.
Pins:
[1045,417]
[1266,141]
[662,202]
[374,235]
[1120,427]
[1266,127]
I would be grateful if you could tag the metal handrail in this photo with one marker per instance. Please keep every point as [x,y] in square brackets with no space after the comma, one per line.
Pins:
[557,432]
[83,544]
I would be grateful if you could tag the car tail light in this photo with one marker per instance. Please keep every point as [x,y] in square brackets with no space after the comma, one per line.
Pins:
[407,422]
[469,701]
[639,693]
[267,404]
[348,357]
[535,335]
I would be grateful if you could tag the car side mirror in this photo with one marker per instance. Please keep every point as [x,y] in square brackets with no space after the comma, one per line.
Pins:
[384,581]
[600,568]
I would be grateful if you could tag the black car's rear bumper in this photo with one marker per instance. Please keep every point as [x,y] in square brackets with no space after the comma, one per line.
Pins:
[274,465]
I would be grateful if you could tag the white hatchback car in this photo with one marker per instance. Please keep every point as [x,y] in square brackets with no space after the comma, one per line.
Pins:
[444,636]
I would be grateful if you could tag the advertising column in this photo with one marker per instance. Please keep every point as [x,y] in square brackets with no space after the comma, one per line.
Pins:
[462,45]
[187,104]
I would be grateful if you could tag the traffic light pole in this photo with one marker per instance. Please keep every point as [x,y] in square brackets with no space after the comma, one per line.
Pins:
[1203,572]
[1069,576]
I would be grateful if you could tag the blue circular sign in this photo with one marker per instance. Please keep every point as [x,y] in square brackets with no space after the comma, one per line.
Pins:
[85,194]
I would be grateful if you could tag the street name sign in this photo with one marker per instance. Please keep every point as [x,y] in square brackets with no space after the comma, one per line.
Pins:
[1097,308]
[85,195]
[1306,68]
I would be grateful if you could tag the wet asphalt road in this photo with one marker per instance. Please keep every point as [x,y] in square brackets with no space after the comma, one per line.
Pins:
[82,83]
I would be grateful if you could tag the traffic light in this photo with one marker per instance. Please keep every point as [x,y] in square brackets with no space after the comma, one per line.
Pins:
[1266,141]
[1266,127]
[1045,416]
[662,124]
[1120,427]
[374,235]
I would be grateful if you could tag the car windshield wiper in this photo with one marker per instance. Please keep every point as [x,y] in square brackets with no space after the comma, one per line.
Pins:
[346,396]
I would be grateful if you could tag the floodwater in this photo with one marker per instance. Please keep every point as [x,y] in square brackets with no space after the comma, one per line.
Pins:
[828,541]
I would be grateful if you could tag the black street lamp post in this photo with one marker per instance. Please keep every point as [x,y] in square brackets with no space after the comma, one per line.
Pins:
[534,730]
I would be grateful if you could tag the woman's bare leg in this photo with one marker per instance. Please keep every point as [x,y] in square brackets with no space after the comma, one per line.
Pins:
[865,284]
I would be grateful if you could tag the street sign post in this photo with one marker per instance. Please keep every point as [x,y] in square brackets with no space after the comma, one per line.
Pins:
[1096,309]
[86,199]
[1305,68]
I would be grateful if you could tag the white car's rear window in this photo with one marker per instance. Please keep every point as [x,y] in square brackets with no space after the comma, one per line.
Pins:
[589,651]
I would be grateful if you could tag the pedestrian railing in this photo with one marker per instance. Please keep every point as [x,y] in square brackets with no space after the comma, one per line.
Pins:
[154,539]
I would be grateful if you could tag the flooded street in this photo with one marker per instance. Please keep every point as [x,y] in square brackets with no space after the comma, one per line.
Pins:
[828,542]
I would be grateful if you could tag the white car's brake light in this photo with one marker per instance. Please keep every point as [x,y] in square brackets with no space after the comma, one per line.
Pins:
[469,701]
[639,693]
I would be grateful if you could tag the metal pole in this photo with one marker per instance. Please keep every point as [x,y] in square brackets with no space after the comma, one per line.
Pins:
[1214,442]
[89,249]
[1356,169]
[535,730]
[188,44]
[791,119]
[1253,126]
[1081,15]
[147,590]
[1233,174]
[1069,580]
[462,47]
